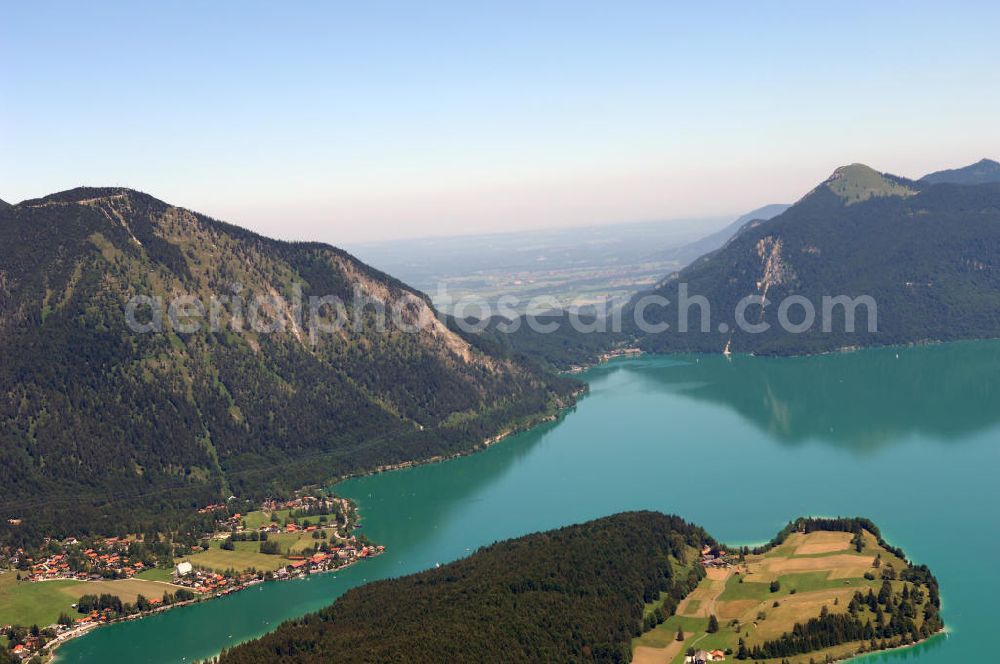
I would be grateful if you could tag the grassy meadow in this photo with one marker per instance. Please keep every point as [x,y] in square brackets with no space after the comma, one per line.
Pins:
[41,602]
[246,555]
[815,570]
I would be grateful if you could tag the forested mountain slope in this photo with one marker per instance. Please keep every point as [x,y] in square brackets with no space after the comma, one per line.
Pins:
[927,254]
[103,428]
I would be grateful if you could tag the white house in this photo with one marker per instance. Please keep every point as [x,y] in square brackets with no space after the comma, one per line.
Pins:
[183,569]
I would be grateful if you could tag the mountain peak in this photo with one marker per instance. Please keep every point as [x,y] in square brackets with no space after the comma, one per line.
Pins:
[857,182]
[983,171]
[86,194]
[856,169]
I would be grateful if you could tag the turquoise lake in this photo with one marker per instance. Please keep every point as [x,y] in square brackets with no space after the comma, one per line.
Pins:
[909,437]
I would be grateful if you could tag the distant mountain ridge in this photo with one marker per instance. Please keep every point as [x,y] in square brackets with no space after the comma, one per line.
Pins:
[982,172]
[928,253]
[104,429]
[684,255]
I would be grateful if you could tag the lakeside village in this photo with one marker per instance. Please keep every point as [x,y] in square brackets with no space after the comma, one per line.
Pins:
[101,580]
[604,358]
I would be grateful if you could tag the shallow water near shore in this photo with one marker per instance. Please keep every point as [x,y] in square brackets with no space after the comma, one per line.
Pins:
[909,437]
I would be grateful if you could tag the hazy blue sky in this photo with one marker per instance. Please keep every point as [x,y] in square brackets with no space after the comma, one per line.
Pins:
[345,121]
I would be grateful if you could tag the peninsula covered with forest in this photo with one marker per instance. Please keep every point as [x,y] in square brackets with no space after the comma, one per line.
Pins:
[636,586]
